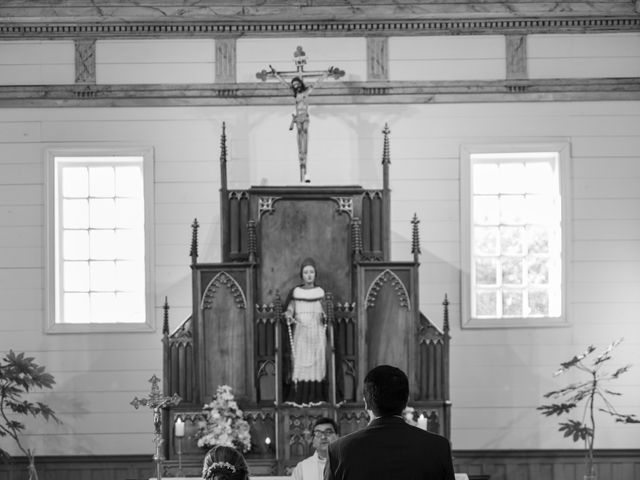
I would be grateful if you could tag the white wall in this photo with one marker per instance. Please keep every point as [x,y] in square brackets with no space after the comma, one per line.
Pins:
[497,376]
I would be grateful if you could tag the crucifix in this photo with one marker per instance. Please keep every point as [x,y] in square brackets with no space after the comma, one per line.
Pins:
[157,402]
[295,81]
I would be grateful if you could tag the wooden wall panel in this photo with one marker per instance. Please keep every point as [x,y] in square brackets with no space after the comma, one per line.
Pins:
[155,61]
[583,56]
[447,58]
[37,62]
[225,334]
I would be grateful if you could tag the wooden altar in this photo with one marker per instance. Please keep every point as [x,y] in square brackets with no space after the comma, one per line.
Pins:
[237,335]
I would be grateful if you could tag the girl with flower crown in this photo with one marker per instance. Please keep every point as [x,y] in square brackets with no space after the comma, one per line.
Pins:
[224,463]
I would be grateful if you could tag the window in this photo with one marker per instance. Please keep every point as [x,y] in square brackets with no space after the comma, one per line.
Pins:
[514,233]
[99,231]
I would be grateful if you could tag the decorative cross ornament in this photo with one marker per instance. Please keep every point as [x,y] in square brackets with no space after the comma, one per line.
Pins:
[157,402]
[295,80]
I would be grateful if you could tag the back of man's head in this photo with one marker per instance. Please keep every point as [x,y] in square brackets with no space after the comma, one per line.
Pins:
[386,390]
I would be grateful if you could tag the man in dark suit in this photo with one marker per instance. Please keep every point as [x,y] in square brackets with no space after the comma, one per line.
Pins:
[389,448]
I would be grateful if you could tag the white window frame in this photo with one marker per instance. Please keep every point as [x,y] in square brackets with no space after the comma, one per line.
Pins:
[51,244]
[562,149]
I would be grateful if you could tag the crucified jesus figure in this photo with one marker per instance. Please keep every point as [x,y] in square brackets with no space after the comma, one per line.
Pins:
[301,91]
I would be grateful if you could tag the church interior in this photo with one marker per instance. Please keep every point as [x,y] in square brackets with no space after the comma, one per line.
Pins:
[463,176]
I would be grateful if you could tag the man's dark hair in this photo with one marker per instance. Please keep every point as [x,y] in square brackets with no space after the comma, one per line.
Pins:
[324,421]
[386,390]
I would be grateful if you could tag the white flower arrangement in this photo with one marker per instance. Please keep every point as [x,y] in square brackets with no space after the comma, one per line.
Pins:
[224,423]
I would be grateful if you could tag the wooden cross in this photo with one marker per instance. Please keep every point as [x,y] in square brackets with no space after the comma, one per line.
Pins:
[296,81]
[157,402]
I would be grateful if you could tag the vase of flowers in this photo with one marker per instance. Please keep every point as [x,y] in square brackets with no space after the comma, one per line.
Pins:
[223,423]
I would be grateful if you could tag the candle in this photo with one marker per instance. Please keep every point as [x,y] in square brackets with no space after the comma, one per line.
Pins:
[178,428]
[422,422]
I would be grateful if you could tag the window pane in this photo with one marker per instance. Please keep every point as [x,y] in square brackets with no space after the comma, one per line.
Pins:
[512,303]
[542,210]
[539,303]
[538,239]
[129,307]
[130,213]
[516,237]
[486,304]
[129,182]
[76,276]
[103,307]
[103,276]
[102,213]
[75,214]
[77,308]
[512,178]
[485,240]
[512,271]
[486,271]
[75,245]
[485,210]
[540,178]
[103,244]
[511,240]
[75,182]
[485,178]
[129,244]
[130,276]
[512,209]
[101,219]
[539,271]
[102,182]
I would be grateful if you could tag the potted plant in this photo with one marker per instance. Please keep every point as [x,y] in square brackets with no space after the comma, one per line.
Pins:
[19,375]
[590,392]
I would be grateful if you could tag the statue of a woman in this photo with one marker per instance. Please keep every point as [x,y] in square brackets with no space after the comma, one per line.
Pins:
[306,323]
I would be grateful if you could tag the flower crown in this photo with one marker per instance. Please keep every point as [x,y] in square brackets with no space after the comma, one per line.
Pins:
[220,465]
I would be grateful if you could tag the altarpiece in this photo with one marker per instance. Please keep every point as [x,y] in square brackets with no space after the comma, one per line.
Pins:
[237,334]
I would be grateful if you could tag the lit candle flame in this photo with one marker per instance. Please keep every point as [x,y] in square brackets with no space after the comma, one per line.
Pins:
[267,441]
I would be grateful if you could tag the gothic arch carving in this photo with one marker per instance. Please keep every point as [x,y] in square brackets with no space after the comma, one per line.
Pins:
[385,277]
[226,280]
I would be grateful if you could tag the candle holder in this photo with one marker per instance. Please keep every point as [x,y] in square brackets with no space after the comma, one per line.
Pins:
[178,432]
[179,473]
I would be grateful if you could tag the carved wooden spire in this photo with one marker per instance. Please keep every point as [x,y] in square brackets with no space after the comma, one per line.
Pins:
[223,158]
[277,305]
[329,307]
[252,241]
[356,238]
[165,322]
[415,238]
[386,158]
[386,195]
[445,322]
[194,241]
[224,197]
